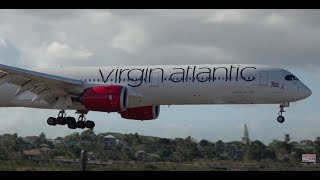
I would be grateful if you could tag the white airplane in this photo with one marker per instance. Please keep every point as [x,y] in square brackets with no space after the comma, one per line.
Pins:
[136,92]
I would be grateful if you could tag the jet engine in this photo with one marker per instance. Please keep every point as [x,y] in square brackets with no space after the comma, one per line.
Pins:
[142,113]
[112,98]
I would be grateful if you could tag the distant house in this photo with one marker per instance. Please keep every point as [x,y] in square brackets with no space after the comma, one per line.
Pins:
[54,141]
[36,152]
[110,141]
[30,139]
[141,155]
[71,143]
[44,146]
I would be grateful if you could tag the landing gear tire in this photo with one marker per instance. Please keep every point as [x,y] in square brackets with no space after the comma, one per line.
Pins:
[52,121]
[280,119]
[71,122]
[81,124]
[90,124]
[72,125]
[61,121]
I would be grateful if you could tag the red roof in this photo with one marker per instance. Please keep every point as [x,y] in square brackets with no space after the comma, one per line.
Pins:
[36,152]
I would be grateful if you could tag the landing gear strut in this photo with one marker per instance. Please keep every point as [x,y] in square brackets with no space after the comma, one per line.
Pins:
[280,118]
[59,120]
[62,119]
[83,123]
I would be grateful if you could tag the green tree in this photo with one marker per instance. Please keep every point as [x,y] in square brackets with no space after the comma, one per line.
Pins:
[186,149]
[207,148]
[165,153]
[281,149]
[317,147]
[42,135]
[287,138]
[259,151]
[87,135]
[204,143]
[42,138]
[128,138]
[72,137]
[164,141]
[10,147]
[74,151]
[220,147]
[137,138]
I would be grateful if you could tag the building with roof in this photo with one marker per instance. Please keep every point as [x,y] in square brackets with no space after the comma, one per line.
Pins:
[30,139]
[36,153]
[110,141]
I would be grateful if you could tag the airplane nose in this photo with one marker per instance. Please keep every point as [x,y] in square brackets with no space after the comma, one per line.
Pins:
[308,92]
[304,91]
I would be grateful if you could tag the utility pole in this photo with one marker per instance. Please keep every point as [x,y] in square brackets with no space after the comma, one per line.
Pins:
[83,160]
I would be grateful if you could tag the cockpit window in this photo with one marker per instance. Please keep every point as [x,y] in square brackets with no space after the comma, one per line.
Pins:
[291,78]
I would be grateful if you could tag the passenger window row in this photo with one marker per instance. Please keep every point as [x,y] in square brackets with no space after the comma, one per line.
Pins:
[165,79]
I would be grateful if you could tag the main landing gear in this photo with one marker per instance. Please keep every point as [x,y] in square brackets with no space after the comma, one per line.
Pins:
[280,118]
[62,119]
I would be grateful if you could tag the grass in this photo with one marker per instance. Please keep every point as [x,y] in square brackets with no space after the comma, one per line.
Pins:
[207,165]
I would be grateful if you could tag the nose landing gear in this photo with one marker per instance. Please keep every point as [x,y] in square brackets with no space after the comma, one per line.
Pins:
[280,118]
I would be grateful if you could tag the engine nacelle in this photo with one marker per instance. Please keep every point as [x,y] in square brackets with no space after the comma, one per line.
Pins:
[142,113]
[112,98]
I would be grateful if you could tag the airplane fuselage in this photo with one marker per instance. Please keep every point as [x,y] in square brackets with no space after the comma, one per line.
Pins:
[180,84]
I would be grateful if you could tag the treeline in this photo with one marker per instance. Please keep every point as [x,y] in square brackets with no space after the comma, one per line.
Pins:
[127,147]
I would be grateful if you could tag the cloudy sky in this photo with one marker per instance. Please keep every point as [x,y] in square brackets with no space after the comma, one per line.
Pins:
[285,38]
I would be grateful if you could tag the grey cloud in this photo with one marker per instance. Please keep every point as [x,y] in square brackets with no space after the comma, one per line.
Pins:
[307,17]
[250,42]
[51,14]
[169,31]
[9,54]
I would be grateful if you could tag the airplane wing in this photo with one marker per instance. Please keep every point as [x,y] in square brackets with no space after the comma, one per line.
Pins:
[45,86]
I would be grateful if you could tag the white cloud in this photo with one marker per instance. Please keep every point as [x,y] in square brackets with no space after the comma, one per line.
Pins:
[132,39]
[211,51]
[62,50]
[3,42]
[276,19]
[8,52]
[101,17]
[228,16]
